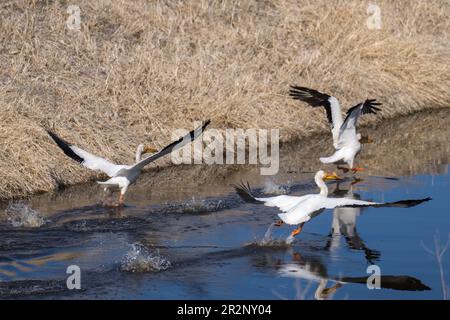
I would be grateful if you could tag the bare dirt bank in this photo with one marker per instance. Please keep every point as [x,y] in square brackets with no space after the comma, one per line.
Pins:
[137,70]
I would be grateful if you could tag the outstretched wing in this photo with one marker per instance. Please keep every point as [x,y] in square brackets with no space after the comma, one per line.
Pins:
[191,136]
[318,99]
[85,158]
[283,202]
[311,204]
[331,203]
[347,132]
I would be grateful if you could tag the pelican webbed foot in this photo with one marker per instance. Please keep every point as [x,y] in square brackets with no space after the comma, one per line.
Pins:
[295,232]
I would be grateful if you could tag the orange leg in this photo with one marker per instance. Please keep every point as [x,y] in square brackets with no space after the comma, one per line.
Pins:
[297,230]
[121,199]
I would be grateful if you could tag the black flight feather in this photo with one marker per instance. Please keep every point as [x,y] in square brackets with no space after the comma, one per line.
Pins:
[245,193]
[65,147]
[398,204]
[313,97]
[368,106]
[168,148]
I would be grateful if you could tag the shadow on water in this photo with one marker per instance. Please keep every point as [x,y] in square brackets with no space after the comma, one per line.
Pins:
[185,235]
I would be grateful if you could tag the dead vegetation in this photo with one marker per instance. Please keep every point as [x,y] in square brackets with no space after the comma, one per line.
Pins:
[136,70]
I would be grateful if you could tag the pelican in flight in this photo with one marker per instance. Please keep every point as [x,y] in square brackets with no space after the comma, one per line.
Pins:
[345,139]
[122,176]
[297,210]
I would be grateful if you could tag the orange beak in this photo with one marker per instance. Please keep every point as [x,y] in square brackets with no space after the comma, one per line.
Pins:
[332,176]
[148,149]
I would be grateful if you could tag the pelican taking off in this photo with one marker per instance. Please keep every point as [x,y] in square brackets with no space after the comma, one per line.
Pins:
[318,99]
[122,176]
[298,210]
[345,139]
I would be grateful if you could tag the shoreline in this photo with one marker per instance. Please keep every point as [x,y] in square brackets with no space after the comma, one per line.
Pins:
[299,157]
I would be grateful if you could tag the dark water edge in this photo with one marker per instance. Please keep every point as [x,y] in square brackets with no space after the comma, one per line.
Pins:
[185,234]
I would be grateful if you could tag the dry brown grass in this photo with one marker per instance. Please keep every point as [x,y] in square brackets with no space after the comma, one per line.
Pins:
[138,69]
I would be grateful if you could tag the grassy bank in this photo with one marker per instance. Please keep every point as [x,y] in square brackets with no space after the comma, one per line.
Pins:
[136,70]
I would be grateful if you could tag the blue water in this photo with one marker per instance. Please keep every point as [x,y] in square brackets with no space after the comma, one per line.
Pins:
[214,254]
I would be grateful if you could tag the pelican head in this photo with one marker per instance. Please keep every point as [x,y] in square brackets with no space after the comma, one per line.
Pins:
[320,178]
[149,149]
[364,139]
[328,175]
[143,149]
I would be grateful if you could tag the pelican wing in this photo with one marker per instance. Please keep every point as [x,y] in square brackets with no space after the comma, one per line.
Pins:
[315,203]
[296,209]
[315,99]
[310,206]
[87,159]
[347,132]
[331,203]
[300,209]
[283,202]
[191,136]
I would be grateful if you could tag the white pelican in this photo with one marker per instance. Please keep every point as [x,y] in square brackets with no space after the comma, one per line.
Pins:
[345,139]
[298,210]
[122,176]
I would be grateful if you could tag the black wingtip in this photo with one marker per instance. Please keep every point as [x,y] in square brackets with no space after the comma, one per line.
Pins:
[370,106]
[245,193]
[366,107]
[312,97]
[207,122]
[202,128]
[64,146]
[407,203]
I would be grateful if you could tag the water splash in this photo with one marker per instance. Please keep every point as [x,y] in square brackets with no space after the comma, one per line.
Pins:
[195,206]
[141,259]
[20,214]
[268,235]
[271,187]
[268,241]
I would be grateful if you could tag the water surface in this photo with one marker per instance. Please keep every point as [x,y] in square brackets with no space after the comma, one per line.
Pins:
[185,234]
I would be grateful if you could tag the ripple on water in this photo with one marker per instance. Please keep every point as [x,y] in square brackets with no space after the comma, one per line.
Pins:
[141,259]
[20,214]
[195,206]
[21,288]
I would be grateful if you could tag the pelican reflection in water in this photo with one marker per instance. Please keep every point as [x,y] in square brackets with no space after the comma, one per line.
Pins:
[311,269]
[344,225]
